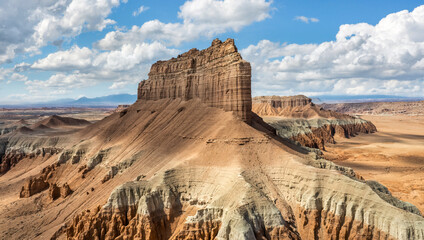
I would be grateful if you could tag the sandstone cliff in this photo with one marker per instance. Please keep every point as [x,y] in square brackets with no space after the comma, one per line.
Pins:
[217,75]
[297,118]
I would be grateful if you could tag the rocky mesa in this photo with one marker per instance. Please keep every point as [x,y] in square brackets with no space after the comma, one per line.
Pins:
[299,119]
[218,76]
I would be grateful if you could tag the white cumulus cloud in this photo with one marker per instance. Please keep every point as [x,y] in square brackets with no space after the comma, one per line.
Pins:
[199,18]
[364,59]
[72,59]
[83,67]
[26,26]
[8,75]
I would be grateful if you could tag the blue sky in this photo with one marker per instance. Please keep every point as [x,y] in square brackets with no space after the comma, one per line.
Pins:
[71,48]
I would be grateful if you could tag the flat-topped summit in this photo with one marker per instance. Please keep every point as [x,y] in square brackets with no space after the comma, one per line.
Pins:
[284,101]
[217,75]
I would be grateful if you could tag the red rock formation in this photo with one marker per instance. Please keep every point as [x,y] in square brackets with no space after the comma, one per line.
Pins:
[65,190]
[33,186]
[39,183]
[54,191]
[208,176]
[217,75]
[44,181]
[158,225]
[10,159]
[58,121]
[292,107]
[127,224]
[207,203]
[314,224]
[121,107]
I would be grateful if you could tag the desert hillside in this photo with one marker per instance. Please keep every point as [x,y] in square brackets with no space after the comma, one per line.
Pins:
[393,156]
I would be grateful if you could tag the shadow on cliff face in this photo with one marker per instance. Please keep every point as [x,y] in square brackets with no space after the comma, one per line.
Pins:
[259,124]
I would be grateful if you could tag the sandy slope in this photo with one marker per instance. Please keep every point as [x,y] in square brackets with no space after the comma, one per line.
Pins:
[211,160]
[394,155]
[166,133]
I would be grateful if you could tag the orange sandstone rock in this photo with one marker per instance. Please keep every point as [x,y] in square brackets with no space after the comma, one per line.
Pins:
[217,75]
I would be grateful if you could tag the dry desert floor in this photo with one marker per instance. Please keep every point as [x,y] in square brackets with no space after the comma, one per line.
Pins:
[393,156]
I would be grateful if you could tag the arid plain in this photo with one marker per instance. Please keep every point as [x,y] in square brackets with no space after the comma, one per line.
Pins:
[393,156]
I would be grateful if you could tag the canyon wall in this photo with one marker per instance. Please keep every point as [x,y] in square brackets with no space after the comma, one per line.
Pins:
[217,75]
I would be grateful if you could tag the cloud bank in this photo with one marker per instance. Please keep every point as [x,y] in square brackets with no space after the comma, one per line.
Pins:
[29,25]
[387,58]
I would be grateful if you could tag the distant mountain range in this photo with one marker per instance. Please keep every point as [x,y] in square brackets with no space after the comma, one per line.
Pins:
[362,98]
[119,99]
[97,102]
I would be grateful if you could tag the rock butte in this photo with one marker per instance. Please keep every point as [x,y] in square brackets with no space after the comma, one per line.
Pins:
[184,168]
[297,118]
[218,76]
[280,102]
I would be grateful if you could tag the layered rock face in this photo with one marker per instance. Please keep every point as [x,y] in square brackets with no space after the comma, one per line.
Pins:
[11,156]
[297,118]
[283,101]
[315,133]
[185,203]
[217,75]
